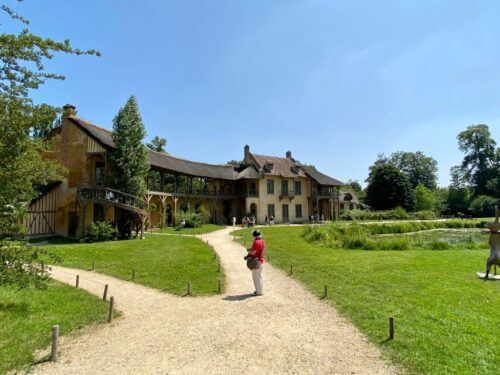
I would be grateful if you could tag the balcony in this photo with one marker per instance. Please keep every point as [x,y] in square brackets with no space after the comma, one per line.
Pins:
[329,194]
[204,192]
[287,194]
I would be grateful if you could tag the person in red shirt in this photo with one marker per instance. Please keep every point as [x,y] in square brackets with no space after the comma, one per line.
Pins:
[257,252]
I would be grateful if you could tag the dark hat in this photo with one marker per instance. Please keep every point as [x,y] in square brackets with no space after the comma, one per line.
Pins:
[256,233]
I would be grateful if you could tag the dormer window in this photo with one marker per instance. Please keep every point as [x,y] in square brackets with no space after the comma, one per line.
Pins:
[295,169]
[268,167]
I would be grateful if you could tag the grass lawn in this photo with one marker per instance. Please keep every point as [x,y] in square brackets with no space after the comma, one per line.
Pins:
[206,228]
[162,262]
[446,319]
[26,318]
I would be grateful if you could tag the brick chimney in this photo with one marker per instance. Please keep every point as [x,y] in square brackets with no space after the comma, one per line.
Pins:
[288,154]
[246,154]
[68,109]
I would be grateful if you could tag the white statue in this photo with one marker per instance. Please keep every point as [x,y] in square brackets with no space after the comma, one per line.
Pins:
[494,258]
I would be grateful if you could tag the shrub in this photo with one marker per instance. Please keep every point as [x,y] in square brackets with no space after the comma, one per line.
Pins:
[394,243]
[483,206]
[193,219]
[440,245]
[101,231]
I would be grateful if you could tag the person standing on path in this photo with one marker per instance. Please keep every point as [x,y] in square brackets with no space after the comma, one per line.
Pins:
[257,252]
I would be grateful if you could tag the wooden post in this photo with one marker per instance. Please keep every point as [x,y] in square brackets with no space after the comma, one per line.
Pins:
[219,286]
[215,256]
[189,289]
[218,267]
[93,265]
[111,306]
[326,291]
[55,343]
[77,281]
[391,328]
[291,269]
[105,294]
[268,257]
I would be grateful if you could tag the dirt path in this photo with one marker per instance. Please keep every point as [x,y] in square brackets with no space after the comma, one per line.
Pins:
[285,331]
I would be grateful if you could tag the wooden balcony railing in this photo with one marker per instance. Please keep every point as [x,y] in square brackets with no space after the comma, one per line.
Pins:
[204,192]
[112,196]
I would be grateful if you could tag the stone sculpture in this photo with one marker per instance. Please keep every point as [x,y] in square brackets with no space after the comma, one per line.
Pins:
[494,258]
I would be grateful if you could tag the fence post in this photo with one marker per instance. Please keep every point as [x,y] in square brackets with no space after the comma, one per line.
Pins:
[105,294]
[189,289]
[77,281]
[218,267]
[55,343]
[391,328]
[219,286]
[93,265]
[111,306]
[291,269]
[326,291]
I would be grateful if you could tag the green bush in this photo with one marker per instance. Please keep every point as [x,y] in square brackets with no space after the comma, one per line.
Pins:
[483,206]
[425,215]
[393,243]
[395,214]
[101,231]
[193,219]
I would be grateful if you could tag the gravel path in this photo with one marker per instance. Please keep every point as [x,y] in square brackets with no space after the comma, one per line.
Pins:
[287,330]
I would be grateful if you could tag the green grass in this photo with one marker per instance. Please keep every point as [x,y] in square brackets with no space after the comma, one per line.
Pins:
[446,319]
[206,228]
[163,262]
[26,318]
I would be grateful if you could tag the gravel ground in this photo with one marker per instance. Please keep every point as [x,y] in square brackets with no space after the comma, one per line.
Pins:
[287,330]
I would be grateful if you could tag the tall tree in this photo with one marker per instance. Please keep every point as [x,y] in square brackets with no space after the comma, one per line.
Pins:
[419,168]
[388,187]
[425,199]
[130,158]
[480,160]
[157,144]
[22,123]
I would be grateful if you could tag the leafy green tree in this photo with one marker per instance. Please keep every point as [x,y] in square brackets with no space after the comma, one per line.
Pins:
[483,206]
[479,166]
[388,187]
[130,157]
[234,163]
[441,197]
[157,144]
[425,199]
[22,146]
[419,168]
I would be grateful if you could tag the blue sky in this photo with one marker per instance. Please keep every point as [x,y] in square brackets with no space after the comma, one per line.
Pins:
[336,82]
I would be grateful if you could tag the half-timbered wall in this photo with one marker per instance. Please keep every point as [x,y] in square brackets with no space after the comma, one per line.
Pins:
[41,218]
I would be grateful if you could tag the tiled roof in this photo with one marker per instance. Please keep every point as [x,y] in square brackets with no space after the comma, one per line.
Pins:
[284,167]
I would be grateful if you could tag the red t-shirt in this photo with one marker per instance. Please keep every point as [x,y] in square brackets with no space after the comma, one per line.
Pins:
[258,247]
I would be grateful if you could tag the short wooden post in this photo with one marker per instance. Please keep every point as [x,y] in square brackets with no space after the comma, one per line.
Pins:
[219,286]
[189,289]
[391,328]
[111,306]
[218,267]
[93,265]
[268,257]
[77,281]
[326,291]
[55,343]
[105,294]
[291,269]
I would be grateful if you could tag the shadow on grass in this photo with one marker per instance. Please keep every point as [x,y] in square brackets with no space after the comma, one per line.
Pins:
[15,307]
[240,297]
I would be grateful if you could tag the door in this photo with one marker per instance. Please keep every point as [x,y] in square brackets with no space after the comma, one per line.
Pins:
[72,224]
[284,188]
[284,208]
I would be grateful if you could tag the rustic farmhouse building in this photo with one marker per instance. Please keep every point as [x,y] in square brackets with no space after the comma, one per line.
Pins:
[261,186]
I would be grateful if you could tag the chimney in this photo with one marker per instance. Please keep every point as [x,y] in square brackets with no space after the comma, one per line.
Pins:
[289,154]
[246,154]
[68,109]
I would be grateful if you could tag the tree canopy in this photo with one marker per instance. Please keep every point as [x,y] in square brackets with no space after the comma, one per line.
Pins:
[419,168]
[388,187]
[480,166]
[130,157]
[157,144]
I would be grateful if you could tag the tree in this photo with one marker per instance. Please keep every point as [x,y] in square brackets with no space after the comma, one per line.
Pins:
[419,168]
[157,144]
[130,157]
[388,187]
[483,206]
[425,198]
[480,160]
[234,163]
[22,146]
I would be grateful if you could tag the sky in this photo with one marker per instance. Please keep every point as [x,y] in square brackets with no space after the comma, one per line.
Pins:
[335,82]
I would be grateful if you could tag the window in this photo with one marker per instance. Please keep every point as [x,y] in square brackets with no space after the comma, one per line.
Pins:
[298,211]
[270,210]
[284,188]
[284,209]
[270,186]
[298,187]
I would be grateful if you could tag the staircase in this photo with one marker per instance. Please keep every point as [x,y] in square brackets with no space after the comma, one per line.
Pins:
[114,197]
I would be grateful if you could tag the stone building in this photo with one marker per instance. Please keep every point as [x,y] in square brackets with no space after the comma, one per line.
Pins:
[260,186]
